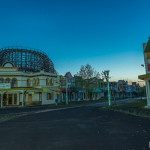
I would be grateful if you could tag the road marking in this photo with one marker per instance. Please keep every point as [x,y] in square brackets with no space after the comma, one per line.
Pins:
[47,110]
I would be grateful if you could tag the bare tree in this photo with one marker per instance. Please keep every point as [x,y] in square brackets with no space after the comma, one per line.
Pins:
[87,78]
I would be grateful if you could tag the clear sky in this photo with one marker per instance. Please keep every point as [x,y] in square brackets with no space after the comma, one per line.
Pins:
[107,34]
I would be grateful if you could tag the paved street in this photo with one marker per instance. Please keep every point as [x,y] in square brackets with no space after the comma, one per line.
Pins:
[79,128]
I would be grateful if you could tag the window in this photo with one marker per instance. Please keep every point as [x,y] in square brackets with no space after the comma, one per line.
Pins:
[37,81]
[15,99]
[28,83]
[47,81]
[1,80]
[10,99]
[7,80]
[102,86]
[49,96]
[34,82]
[51,82]
[14,82]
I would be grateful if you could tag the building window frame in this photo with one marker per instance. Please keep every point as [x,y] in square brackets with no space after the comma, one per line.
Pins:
[8,79]
[34,82]
[28,83]
[37,81]
[1,80]
[14,84]
[47,81]
[49,96]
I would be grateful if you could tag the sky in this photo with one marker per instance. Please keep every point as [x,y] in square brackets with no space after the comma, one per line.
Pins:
[107,34]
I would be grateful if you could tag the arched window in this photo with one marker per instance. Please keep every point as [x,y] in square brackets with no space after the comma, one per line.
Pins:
[49,96]
[37,81]
[28,83]
[14,82]
[1,80]
[47,81]
[7,80]
[51,83]
[34,82]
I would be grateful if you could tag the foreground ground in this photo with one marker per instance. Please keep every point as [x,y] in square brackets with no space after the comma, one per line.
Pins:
[81,128]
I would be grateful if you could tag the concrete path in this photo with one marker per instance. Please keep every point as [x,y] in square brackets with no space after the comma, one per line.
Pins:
[80,128]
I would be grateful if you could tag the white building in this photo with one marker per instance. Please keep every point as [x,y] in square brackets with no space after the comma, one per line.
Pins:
[27,77]
[146,77]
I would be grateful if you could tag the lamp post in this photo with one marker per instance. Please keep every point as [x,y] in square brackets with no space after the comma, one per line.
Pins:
[66,91]
[65,79]
[106,74]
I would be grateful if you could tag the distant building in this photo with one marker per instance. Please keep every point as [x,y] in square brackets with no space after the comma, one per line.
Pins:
[121,89]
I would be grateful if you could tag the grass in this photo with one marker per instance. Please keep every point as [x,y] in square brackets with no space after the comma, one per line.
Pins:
[9,116]
[136,104]
[135,108]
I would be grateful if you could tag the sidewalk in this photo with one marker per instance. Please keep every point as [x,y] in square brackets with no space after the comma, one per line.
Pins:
[14,112]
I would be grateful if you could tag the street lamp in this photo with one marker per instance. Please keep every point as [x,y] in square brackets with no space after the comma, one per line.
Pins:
[66,88]
[66,91]
[106,74]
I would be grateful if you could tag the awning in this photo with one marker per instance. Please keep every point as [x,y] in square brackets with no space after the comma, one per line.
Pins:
[129,91]
[144,76]
[22,89]
[47,89]
[50,90]
[96,91]
[136,91]
[64,90]
[82,91]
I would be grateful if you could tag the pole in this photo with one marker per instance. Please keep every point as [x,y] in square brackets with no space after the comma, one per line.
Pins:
[106,73]
[108,91]
[66,91]
[23,95]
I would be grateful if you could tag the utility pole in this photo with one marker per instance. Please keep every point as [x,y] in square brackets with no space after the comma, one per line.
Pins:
[66,91]
[106,74]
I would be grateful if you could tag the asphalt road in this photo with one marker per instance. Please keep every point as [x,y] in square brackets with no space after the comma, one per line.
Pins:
[81,128]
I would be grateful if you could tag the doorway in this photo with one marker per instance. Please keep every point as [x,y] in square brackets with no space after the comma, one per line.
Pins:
[30,97]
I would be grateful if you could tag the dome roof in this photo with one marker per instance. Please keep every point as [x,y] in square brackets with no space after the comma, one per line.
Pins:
[26,59]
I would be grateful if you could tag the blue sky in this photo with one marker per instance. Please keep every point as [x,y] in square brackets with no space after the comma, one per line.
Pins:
[107,34]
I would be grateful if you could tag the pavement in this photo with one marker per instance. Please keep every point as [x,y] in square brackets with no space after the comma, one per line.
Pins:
[80,127]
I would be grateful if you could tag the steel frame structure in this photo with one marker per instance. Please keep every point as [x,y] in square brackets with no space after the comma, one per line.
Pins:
[26,59]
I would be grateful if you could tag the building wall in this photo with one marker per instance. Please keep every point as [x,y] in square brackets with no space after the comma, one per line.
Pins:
[46,101]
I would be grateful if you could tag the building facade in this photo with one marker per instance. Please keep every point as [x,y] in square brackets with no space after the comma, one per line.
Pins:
[27,77]
[146,77]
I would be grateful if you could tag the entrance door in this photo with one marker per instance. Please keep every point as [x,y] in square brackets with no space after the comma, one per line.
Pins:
[30,97]
[15,99]
[5,99]
[10,99]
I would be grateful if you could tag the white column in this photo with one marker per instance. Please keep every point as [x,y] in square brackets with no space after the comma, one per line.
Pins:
[18,98]
[148,92]
[1,100]
[22,98]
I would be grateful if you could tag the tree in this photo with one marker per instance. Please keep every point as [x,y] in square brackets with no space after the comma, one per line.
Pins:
[87,79]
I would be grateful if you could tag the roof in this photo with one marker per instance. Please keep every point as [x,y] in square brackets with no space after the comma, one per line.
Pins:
[147,48]
[144,76]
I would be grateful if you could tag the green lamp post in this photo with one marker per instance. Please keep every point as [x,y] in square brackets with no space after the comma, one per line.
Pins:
[66,91]
[106,74]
